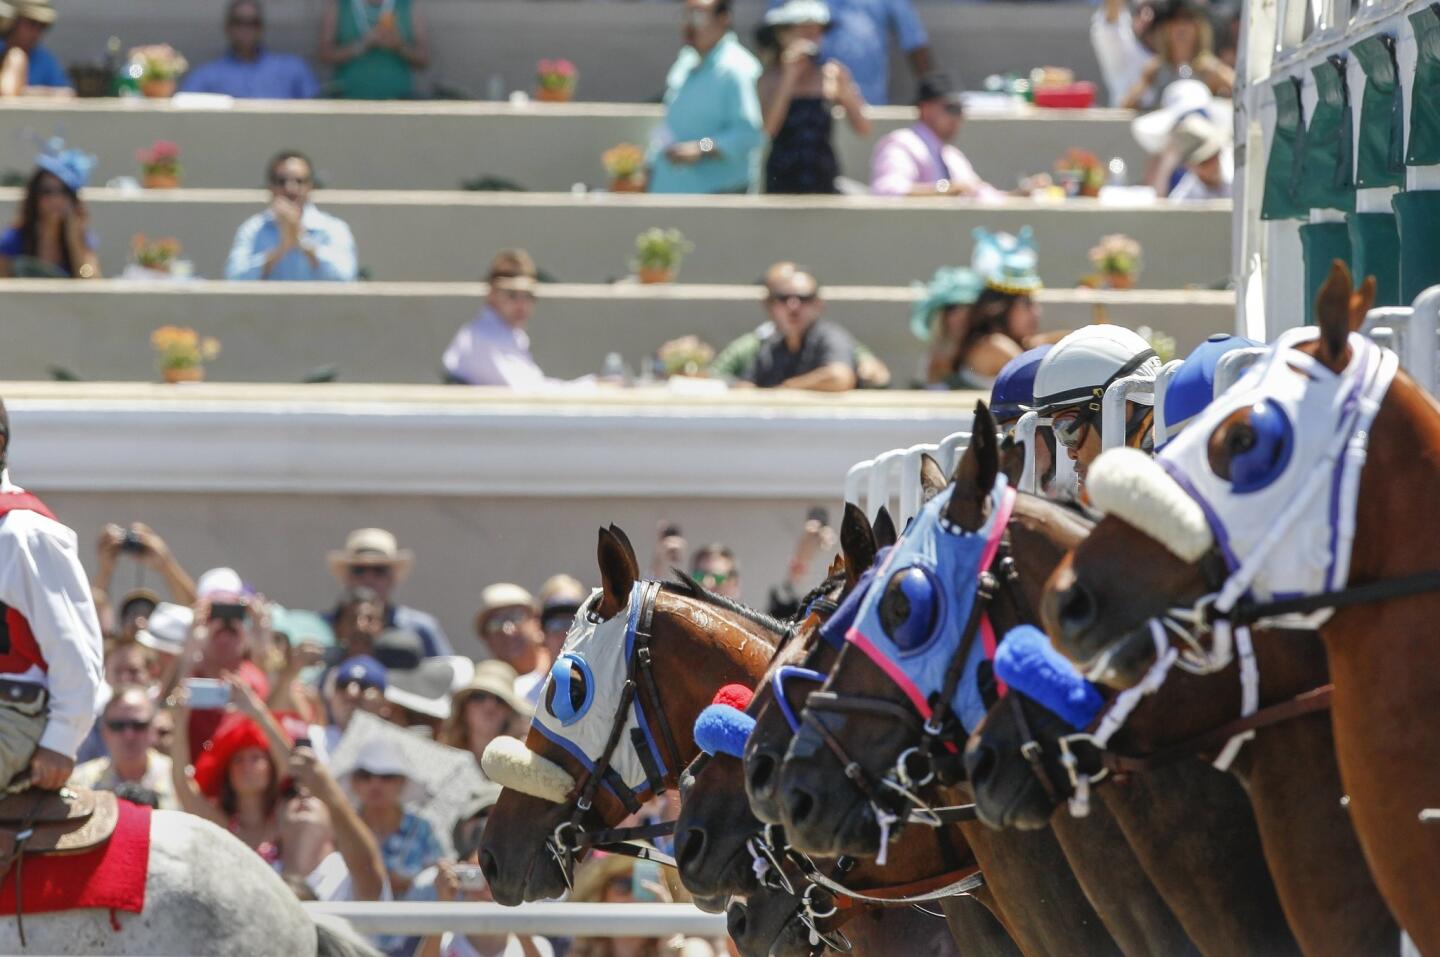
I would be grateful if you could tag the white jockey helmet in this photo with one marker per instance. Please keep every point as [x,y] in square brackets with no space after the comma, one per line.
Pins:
[1076,373]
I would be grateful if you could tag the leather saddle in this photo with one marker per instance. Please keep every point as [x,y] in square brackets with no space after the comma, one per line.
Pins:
[35,822]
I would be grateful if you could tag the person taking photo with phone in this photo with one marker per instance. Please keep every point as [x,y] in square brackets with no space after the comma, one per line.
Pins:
[51,663]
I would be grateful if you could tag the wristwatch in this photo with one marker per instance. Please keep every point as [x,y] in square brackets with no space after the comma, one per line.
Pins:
[707,146]
[942,186]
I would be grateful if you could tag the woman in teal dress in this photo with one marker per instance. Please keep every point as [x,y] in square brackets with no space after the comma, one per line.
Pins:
[375,46]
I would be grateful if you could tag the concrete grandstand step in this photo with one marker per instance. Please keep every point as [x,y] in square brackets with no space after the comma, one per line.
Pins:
[430,235]
[441,145]
[622,50]
[396,332]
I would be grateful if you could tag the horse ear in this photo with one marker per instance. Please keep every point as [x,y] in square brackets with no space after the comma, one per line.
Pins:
[1333,314]
[1362,301]
[884,529]
[857,543]
[975,473]
[932,477]
[1012,460]
[618,571]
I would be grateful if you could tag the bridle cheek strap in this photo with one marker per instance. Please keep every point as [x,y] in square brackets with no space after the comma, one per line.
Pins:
[510,764]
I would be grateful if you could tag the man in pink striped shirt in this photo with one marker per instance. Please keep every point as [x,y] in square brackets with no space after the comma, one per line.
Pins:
[920,160]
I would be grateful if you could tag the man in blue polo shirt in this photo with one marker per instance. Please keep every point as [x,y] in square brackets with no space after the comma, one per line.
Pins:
[44,74]
[248,70]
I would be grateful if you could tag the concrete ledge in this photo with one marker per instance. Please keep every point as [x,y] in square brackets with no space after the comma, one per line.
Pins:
[396,332]
[449,236]
[440,145]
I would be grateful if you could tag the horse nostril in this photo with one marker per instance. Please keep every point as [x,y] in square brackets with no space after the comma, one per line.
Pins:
[762,774]
[488,866]
[1077,609]
[979,765]
[737,920]
[798,804]
[692,846]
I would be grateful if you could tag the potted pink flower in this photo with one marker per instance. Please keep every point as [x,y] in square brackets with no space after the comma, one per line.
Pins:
[159,165]
[555,81]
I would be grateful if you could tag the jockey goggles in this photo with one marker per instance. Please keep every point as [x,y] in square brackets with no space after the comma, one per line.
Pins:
[1070,429]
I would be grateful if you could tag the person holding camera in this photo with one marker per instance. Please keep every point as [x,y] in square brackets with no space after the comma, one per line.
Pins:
[140,542]
[798,92]
[51,662]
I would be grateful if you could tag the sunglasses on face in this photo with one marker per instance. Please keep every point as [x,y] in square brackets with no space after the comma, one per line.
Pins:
[51,189]
[955,109]
[362,775]
[253,22]
[516,295]
[788,297]
[121,725]
[369,571]
[497,622]
[278,180]
[1069,429]
[712,580]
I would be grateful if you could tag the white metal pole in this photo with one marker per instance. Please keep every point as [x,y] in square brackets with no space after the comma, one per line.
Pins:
[1112,407]
[555,919]
[1162,385]
[1025,434]
[1233,365]
[951,448]
[855,482]
[910,491]
[1421,348]
[880,482]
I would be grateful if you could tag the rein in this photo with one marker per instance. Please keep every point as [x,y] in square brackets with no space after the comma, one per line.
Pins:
[1245,612]
[570,836]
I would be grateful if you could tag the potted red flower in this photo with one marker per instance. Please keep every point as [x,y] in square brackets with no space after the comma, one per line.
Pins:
[555,81]
[159,165]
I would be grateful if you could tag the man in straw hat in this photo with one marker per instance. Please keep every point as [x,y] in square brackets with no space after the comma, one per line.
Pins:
[508,623]
[26,66]
[1202,148]
[494,348]
[372,558]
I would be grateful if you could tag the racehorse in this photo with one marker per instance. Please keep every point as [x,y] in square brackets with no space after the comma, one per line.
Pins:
[831,803]
[718,839]
[205,893]
[642,656]
[1288,769]
[1306,490]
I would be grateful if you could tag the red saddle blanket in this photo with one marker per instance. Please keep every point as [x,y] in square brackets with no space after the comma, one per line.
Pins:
[111,876]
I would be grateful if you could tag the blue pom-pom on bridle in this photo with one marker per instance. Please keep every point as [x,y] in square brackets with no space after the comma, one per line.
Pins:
[722,729]
[1028,664]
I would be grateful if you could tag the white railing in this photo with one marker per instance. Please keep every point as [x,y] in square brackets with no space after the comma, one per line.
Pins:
[892,478]
[546,919]
[1411,331]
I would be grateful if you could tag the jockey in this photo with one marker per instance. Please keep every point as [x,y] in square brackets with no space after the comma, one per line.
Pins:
[1071,382]
[1192,387]
[1010,398]
[50,650]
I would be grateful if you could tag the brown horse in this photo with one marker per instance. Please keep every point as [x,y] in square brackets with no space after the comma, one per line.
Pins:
[697,645]
[715,830]
[1380,650]
[1042,906]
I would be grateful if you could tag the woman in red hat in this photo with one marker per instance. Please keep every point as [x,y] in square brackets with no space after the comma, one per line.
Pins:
[236,780]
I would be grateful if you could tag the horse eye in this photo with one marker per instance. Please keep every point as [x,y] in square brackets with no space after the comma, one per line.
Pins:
[909,608]
[1240,439]
[1252,452]
[568,694]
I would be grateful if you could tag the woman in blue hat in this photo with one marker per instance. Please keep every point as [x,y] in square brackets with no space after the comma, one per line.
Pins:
[51,237]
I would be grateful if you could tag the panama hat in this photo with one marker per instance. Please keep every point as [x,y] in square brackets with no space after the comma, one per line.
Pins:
[40,11]
[166,628]
[371,546]
[379,755]
[497,678]
[1180,99]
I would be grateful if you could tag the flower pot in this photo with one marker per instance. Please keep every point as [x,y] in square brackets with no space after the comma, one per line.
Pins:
[548,95]
[1120,280]
[627,184]
[184,374]
[160,181]
[158,89]
[655,274]
[1091,190]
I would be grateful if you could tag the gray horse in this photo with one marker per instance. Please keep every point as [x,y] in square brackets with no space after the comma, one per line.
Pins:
[206,893]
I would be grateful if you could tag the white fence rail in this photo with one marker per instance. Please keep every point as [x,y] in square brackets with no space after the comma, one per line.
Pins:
[548,919]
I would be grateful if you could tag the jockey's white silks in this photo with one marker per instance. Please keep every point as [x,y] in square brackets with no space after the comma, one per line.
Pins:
[510,764]
[1284,520]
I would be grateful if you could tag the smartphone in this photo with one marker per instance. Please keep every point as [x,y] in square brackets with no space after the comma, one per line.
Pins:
[470,876]
[131,543]
[818,514]
[207,694]
[228,611]
[644,879]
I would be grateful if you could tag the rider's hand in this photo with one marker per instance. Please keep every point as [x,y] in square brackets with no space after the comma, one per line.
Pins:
[50,769]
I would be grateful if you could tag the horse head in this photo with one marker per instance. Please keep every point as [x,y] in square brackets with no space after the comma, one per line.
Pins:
[613,726]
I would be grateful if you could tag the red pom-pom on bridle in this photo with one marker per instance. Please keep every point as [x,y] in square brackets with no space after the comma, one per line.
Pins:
[735,696]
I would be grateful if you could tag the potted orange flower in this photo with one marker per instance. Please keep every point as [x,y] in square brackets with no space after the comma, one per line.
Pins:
[155,255]
[156,68]
[1116,259]
[555,81]
[1080,172]
[181,353]
[625,162]
[159,165]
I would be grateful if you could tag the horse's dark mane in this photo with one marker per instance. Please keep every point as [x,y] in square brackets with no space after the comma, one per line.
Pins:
[693,589]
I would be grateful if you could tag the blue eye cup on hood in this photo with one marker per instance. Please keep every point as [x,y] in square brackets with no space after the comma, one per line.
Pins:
[1266,460]
[561,703]
[910,609]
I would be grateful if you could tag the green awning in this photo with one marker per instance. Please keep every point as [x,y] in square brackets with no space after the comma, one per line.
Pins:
[1417,216]
[1375,251]
[1381,159]
[1324,163]
[1280,201]
[1322,243]
[1424,145]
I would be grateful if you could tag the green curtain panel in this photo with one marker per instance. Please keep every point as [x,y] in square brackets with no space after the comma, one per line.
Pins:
[1322,243]
[1424,145]
[1279,201]
[1417,214]
[1381,159]
[1375,251]
[1324,164]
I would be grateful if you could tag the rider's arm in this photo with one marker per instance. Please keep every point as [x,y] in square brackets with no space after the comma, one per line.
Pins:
[41,578]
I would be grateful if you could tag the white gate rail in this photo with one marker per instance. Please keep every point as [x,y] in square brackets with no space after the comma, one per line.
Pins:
[549,919]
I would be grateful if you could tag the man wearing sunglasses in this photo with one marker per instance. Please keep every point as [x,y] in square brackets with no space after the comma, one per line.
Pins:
[494,348]
[248,70]
[508,623]
[373,560]
[922,160]
[292,239]
[127,726]
[804,351]
[1070,389]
